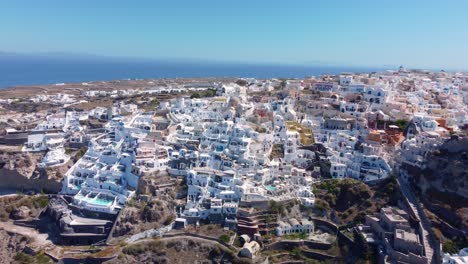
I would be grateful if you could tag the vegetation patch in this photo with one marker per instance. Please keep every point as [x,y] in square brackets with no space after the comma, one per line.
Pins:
[202,94]
[277,152]
[10,206]
[296,236]
[225,238]
[23,258]
[353,199]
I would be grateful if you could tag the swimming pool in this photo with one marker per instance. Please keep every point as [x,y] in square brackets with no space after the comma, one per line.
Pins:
[94,201]
[271,188]
[98,201]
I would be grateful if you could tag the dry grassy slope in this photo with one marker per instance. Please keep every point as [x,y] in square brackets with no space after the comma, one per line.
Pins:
[77,88]
[10,245]
[351,200]
[21,206]
[140,216]
[176,250]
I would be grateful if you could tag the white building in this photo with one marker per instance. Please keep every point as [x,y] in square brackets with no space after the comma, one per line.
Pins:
[294,226]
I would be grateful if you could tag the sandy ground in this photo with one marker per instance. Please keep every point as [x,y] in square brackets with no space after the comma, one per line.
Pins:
[78,88]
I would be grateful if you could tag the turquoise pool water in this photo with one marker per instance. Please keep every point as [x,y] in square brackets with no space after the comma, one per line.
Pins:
[101,201]
[95,201]
[271,188]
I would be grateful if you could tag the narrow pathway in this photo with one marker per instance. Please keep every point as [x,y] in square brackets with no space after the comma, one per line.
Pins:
[417,208]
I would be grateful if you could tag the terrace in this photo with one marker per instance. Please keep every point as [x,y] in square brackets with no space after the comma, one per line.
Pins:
[306,135]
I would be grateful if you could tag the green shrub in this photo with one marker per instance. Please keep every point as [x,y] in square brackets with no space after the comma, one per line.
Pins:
[23,258]
[4,216]
[402,123]
[296,252]
[448,246]
[134,250]
[276,208]
[296,236]
[169,219]
[322,205]
[41,201]
[154,246]
[225,238]
[242,82]
[345,214]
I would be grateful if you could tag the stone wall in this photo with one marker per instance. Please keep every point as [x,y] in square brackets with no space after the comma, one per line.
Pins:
[325,224]
[290,244]
[263,205]
[317,255]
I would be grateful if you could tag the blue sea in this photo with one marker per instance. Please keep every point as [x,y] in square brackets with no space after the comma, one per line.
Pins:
[36,70]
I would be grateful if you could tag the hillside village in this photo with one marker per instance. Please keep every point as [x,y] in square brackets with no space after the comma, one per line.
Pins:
[275,170]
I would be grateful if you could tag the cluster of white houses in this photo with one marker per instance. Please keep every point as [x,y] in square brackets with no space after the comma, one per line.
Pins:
[250,145]
[52,134]
[108,173]
[225,155]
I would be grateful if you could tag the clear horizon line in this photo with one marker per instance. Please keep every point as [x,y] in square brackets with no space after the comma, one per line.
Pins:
[64,54]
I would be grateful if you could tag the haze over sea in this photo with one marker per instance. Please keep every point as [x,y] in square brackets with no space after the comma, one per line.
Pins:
[36,70]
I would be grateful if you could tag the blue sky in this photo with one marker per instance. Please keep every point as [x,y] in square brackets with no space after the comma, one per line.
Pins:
[430,34]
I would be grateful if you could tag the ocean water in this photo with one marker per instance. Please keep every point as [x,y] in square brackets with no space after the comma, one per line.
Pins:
[24,70]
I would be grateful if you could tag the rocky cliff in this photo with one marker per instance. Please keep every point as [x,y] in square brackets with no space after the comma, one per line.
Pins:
[18,171]
[139,216]
[447,168]
[10,245]
[443,187]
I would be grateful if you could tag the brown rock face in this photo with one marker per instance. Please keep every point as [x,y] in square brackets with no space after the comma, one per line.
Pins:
[10,244]
[22,162]
[447,168]
[443,185]
[18,171]
[21,213]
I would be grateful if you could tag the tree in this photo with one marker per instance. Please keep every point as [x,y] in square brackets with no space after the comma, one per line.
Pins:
[283,84]
[241,82]
[401,123]
[362,246]
[448,246]
[276,208]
